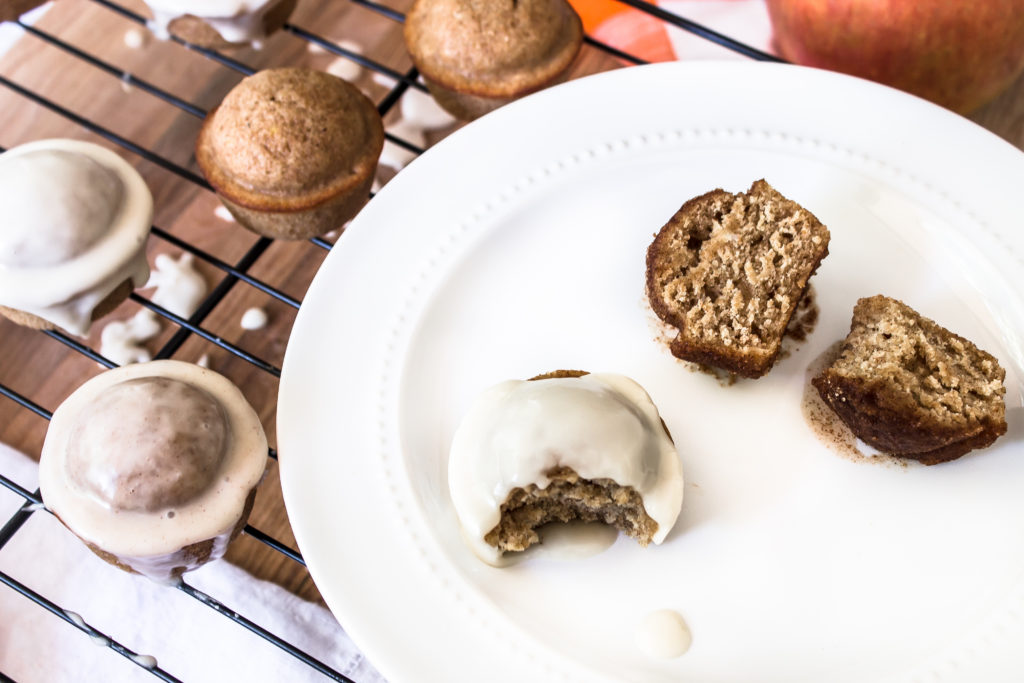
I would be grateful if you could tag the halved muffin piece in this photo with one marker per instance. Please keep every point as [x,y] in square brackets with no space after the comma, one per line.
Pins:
[728,271]
[911,388]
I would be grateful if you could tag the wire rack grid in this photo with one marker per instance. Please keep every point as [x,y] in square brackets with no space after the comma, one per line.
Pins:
[241,265]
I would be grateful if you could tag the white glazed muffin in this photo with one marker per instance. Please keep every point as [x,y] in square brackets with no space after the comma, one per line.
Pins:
[73,239]
[154,466]
[563,446]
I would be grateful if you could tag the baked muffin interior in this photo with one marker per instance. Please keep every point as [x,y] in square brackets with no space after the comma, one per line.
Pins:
[728,271]
[569,497]
[907,386]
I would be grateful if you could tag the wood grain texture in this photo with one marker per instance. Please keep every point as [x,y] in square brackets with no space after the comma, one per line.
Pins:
[45,370]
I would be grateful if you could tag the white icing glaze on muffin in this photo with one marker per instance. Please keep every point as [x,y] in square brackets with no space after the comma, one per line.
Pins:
[76,221]
[237,21]
[600,425]
[148,459]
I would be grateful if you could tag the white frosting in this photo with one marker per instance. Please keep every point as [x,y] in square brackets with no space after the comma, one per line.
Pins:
[121,340]
[180,288]
[75,226]
[134,38]
[223,214]
[663,634]
[600,425]
[254,319]
[151,542]
[237,21]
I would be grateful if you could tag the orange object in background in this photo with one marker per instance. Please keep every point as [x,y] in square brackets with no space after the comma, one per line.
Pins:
[625,28]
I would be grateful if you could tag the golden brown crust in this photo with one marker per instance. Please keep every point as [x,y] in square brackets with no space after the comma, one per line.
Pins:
[292,152]
[194,30]
[107,305]
[477,55]
[728,271]
[556,374]
[911,388]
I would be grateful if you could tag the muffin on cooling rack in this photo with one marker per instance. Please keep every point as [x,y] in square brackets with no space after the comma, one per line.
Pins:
[73,238]
[292,152]
[563,446]
[154,466]
[219,25]
[477,55]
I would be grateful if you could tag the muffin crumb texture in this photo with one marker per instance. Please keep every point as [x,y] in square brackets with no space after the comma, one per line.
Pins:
[728,271]
[909,387]
[567,498]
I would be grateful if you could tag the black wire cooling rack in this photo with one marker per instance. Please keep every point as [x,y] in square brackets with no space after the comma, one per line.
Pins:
[232,273]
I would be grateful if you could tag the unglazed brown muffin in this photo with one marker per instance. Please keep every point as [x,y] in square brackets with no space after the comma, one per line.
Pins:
[154,466]
[911,388]
[728,271]
[292,152]
[477,55]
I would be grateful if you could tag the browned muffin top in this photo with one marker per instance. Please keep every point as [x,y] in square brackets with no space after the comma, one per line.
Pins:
[494,48]
[290,132]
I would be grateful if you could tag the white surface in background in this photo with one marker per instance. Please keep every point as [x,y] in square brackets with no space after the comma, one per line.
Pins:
[788,561]
[188,639]
[744,20]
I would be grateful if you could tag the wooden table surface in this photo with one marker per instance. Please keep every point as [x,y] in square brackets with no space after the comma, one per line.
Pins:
[45,370]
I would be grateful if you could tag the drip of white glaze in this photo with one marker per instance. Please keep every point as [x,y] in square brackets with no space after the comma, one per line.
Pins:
[145,661]
[663,634]
[134,38]
[121,340]
[223,214]
[180,288]
[254,319]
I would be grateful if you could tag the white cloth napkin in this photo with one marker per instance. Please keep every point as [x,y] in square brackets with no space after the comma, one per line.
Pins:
[188,639]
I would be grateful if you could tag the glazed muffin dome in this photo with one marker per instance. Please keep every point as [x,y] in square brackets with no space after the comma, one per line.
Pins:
[286,139]
[154,466]
[73,240]
[493,49]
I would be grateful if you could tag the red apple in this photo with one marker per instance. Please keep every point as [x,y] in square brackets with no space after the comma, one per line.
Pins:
[957,53]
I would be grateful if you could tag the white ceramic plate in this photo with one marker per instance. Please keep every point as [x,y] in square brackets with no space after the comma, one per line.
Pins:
[517,247]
